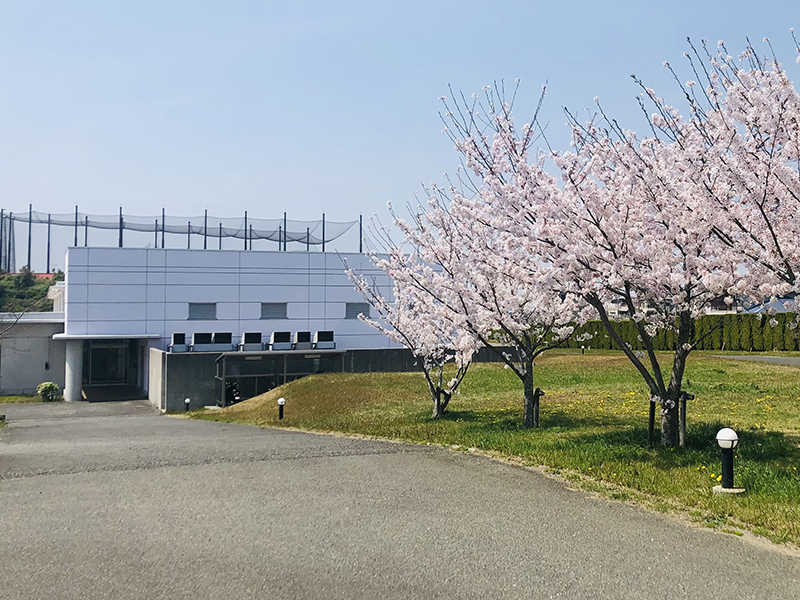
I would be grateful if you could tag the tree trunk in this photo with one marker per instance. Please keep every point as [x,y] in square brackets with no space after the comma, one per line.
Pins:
[670,406]
[651,422]
[440,401]
[682,421]
[529,400]
[438,405]
[438,409]
[669,425]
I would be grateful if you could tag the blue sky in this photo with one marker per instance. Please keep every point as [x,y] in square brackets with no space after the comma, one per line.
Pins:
[307,107]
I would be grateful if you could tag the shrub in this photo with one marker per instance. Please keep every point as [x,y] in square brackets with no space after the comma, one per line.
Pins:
[48,391]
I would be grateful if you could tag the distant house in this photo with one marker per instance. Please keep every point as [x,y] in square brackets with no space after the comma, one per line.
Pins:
[779,305]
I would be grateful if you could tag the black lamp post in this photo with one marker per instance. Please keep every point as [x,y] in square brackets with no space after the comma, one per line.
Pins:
[186,404]
[727,440]
[281,402]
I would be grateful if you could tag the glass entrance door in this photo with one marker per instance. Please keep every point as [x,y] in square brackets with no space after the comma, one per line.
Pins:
[105,362]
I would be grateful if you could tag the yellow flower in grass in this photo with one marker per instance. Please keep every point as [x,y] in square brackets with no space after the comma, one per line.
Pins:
[719,477]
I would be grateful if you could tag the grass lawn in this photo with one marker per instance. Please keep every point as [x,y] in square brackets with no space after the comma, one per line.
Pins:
[593,429]
[19,399]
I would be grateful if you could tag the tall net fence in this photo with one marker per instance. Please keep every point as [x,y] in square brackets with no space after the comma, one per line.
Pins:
[316,233]
[7,246]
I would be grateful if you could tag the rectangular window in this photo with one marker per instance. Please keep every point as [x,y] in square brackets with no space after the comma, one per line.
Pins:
[223,338]
[273,310]
[282,337]
[178,339]
[252,337]
[202,311]
[353,309]
[201,338]
[324,336]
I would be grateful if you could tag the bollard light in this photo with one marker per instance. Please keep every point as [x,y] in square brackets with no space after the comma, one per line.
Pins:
[727,440]
[281,402]
[186,404]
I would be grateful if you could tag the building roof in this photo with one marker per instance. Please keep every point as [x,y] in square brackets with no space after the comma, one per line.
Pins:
[32,317]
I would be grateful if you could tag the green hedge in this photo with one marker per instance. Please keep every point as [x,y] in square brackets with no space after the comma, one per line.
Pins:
[737,332]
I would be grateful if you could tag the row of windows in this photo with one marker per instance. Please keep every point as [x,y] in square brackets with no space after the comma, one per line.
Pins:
[207,311]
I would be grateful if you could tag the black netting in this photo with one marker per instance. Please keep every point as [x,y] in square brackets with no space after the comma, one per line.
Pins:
[310,232]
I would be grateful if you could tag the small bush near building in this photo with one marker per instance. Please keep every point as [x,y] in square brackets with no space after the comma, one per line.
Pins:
[48,391]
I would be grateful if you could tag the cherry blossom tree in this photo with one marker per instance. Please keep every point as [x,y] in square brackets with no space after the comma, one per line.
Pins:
[706,206]
[413,318]
[741,152]
[624,233]
[622,230]
[468,272]
[492,282]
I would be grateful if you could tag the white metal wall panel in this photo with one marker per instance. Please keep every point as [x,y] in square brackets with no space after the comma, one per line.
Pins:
[128,291]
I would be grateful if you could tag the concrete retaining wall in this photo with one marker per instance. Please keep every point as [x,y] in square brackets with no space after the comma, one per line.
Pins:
[29,356]
[177,376]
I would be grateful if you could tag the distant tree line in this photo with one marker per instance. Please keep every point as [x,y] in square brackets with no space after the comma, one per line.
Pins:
[23,292]
[745,332]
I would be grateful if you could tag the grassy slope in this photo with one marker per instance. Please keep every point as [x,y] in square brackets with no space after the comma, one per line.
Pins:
[594,420]
[19,399]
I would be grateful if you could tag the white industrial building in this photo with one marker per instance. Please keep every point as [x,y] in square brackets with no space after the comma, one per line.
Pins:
[126,311]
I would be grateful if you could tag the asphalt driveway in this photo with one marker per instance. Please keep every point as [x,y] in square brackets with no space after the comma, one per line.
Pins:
[114,501]
[792,361]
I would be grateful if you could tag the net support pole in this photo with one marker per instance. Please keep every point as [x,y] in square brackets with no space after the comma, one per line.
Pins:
[120,227]
[220,236]
[85,231]
[285,232]
[76,226]
[245,230]
[189,236]
[155,232]
[10,240]
[48,242]
[30,230]
[280,237]
[308,239]
[360,234]
[323,232]
[2,247]
[205,230]
[163,227]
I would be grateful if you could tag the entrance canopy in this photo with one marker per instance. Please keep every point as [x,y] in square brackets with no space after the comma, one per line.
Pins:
[88,336]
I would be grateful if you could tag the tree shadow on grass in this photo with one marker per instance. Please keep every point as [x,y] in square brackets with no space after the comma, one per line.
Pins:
[614,438]
[457,415]
[570,422]
[757,446]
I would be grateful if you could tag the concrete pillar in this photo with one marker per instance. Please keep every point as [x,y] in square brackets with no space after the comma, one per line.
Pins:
[73,376]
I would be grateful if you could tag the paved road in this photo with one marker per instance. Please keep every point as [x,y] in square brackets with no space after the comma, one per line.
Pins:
[113,501]
[793,361]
